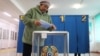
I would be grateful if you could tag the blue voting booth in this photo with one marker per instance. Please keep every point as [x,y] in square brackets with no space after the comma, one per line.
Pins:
[20,34]
[76,25]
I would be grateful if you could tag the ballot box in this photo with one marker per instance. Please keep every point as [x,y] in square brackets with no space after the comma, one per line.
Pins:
[37,36]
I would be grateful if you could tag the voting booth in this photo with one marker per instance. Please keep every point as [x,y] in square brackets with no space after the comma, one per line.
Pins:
[76,25]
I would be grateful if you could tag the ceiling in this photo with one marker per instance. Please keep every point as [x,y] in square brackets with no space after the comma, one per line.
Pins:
[9,7]
[61,7]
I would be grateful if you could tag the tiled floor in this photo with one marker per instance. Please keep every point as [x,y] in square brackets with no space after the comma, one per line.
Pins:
[8,52]
[12,52]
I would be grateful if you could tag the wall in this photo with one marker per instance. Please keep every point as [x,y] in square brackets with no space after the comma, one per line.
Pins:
[95,33]
[8,34]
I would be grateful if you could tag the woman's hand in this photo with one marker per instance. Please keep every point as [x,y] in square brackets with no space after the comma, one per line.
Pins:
[53,27]
[37,22]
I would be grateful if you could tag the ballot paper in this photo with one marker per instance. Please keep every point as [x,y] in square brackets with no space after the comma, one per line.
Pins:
[45,24]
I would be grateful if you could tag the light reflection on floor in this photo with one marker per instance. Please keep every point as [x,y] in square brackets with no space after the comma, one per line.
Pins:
[12,52]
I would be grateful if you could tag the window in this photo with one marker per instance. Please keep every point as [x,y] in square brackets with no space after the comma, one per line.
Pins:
[0,33]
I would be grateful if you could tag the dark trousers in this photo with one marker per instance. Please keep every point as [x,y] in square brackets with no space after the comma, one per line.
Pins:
[40,50]
[77,54]
[27,49]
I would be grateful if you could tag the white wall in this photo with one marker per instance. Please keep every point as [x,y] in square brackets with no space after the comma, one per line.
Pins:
[95,35]
[8,34]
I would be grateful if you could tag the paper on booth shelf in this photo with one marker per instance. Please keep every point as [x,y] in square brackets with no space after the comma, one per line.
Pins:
[45,24]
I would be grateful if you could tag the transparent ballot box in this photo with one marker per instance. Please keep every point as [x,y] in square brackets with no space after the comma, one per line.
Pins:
[50,43]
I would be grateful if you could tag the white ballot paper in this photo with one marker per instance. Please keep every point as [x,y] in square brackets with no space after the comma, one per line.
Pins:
[45,24]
